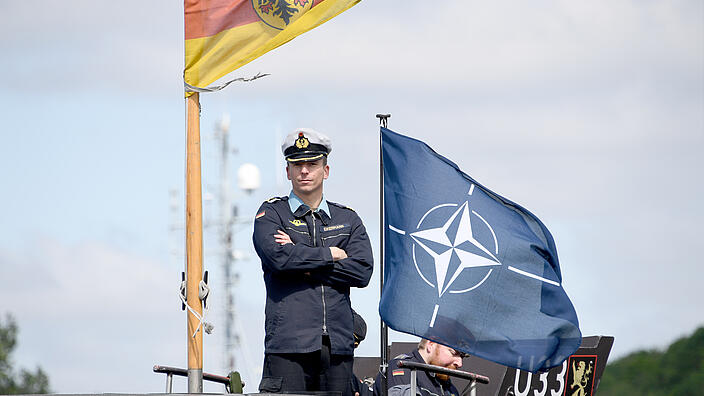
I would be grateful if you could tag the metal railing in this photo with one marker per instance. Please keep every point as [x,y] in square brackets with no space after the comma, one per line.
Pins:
[472,377]
[233,383]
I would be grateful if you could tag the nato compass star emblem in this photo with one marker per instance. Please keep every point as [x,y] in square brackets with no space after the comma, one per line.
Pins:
[453,247]
[459,245]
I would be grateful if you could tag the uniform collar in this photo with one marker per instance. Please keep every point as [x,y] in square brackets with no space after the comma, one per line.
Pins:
[416,354]
[299,208]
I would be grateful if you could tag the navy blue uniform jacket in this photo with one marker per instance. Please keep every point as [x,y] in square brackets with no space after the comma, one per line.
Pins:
[307,293]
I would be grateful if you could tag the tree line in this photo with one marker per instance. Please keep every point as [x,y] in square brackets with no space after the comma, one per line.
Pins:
[676,371]
[14,381]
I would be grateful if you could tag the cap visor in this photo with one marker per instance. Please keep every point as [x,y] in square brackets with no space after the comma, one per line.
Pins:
[304,157]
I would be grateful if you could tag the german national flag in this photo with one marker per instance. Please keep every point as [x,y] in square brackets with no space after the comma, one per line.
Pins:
[222,35]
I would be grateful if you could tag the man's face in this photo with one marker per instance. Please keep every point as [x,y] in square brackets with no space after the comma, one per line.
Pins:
[443,356]
[307,177]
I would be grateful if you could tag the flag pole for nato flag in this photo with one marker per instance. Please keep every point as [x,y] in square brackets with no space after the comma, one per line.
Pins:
[384,358]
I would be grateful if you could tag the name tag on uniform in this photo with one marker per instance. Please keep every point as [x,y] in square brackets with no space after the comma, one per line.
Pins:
[335,227]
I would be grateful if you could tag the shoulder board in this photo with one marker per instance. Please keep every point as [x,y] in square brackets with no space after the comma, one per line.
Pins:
[275,199]
[340,205]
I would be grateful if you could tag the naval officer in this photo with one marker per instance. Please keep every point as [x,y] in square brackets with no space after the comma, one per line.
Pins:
[312,252]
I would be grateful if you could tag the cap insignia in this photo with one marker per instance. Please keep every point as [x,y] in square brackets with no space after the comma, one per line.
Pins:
[302,141]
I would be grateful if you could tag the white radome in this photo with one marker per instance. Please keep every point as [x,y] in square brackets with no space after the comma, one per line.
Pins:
[248,177]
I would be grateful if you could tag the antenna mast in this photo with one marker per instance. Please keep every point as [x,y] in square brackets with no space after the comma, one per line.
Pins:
[227,218]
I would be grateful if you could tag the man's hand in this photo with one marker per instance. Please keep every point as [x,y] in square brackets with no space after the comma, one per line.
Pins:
[337,253]
[282,238]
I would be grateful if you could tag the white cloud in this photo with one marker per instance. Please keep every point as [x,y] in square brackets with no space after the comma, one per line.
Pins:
[88,279]
[489,47]
[53,46]
[96,305]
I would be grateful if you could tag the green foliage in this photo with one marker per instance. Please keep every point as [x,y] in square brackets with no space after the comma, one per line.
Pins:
[678,371]
[23,382]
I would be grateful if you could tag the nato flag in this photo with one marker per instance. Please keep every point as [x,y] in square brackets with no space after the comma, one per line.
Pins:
[468,268]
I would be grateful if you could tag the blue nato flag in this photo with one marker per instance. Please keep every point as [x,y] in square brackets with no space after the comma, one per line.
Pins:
[468,268]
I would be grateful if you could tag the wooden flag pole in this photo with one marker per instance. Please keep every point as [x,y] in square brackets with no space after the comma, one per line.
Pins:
[194,244]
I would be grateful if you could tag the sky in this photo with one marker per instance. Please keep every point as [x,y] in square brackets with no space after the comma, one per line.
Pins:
[589,114]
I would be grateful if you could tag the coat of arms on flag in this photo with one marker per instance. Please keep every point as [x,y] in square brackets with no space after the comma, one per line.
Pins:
[279,13]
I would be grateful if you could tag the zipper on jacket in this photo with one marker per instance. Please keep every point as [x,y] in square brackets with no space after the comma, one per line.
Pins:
[325,327]
[322,286]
